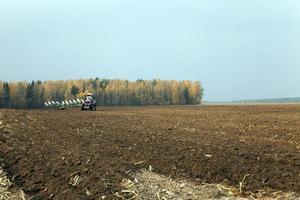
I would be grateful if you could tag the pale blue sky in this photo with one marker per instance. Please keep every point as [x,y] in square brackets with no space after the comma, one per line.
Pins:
[239,49]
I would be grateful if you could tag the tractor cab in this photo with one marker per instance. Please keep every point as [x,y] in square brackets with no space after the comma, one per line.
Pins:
[89,103]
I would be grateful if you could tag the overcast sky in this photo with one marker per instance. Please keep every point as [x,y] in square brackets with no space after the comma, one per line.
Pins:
[238,49]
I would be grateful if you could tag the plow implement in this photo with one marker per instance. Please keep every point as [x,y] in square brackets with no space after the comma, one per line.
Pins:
[61,105]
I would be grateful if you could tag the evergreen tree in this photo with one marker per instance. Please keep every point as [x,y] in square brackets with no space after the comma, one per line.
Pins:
[42,98]
[186,96]
[30,95]
[5,95]
[74,90]
[1,94]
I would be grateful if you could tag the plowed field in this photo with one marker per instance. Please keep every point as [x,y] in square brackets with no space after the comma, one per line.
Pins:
[74,154]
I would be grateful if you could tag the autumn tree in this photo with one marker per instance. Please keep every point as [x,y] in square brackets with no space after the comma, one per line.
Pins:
[38,94]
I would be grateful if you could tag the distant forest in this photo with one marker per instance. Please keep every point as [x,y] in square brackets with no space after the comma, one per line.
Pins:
[106,91]
[274,100]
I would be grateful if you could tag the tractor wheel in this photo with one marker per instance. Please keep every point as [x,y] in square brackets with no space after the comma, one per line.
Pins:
[82,107]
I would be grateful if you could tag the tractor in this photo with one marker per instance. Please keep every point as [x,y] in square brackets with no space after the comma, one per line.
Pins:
[89,103]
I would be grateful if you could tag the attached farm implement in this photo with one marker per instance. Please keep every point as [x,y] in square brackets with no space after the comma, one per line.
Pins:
[64,104]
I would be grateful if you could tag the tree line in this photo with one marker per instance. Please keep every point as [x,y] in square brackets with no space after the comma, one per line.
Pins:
[108,92]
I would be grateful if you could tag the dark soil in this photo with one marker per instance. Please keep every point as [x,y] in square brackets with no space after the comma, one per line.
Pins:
[44,149]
